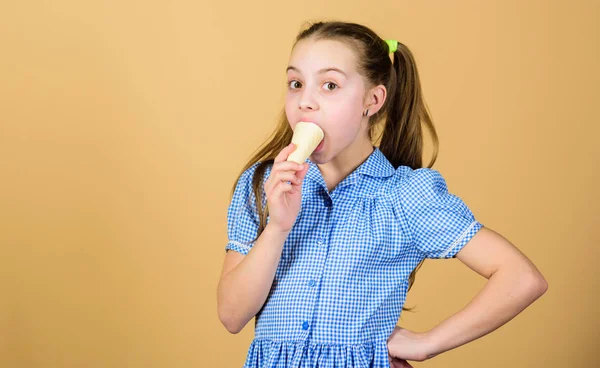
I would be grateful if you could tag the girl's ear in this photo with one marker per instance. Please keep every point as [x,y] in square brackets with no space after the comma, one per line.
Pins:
[375,98]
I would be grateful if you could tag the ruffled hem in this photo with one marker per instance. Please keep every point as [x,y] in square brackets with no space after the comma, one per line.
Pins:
[305,354]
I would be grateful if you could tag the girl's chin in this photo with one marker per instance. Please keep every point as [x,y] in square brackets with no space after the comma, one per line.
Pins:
[318,158]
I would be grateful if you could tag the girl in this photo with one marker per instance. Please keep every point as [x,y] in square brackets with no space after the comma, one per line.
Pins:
[325,252]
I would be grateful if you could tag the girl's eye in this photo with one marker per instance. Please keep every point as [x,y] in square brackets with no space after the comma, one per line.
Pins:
[294,84]
[329,86]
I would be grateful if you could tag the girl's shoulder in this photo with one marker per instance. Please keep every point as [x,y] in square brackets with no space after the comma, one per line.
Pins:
[244,186]
[410,176]
[407,178]
[410,185]
[247,175]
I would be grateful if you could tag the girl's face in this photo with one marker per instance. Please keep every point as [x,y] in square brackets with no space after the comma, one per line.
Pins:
[325,88]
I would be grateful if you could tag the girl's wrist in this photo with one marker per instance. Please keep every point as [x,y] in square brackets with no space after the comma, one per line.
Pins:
[431,344]
[276,231]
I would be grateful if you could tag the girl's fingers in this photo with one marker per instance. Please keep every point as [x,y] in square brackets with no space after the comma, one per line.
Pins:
[286,166]
[269,184]
[281,189]
[302,173]
[286,176]
[283,155]
[280,176]
[278,169]
[400,363]
[287,171]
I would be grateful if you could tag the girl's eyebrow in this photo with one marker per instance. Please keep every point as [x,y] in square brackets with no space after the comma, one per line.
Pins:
[324,70]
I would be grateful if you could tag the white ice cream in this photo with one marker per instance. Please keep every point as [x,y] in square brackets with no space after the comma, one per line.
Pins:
[307,137]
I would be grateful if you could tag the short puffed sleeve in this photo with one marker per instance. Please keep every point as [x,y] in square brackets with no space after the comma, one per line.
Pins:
[440,222]
[242,215]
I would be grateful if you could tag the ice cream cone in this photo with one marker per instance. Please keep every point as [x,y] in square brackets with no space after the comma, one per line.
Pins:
[307,137]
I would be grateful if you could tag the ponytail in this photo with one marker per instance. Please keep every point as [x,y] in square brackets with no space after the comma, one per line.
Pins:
[402,137]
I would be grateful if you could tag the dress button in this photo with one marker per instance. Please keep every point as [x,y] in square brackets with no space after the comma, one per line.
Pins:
[328,202]
[312,283]
[320,241]
[305,325]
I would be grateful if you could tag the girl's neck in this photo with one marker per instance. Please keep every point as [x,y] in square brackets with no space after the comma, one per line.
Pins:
[338,168]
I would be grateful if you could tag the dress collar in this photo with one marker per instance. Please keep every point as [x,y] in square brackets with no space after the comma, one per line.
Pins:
[376,165]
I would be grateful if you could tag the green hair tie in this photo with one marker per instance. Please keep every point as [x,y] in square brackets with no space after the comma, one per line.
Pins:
[392,45]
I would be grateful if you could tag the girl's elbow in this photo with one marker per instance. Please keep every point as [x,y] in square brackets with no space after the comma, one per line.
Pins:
[233,328]
[537,284]
[542,285]
[228,315]
[232,318]
[228,320]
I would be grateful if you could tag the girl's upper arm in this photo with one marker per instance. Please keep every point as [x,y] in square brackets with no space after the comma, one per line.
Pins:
[232,259]
[487,252]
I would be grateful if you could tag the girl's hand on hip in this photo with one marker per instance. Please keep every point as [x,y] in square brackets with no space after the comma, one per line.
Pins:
[283,189]
[406,345]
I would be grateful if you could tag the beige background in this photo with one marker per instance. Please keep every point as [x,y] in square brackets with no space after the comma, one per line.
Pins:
[123,125]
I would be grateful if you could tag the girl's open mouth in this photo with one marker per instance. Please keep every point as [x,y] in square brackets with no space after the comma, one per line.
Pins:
[320,146]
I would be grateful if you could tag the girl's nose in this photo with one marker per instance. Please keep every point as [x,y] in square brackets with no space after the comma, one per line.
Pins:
[305,106]
[307,102]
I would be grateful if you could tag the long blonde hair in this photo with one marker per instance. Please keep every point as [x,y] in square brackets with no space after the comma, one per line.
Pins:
[401,139]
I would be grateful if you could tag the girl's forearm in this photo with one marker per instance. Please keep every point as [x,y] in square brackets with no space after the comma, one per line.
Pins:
[243,291]
[506,294]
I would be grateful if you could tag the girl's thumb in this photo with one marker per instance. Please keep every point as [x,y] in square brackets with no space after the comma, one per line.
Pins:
[302,173]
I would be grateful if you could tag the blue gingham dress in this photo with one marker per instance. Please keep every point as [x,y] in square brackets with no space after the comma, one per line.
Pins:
[343,275]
